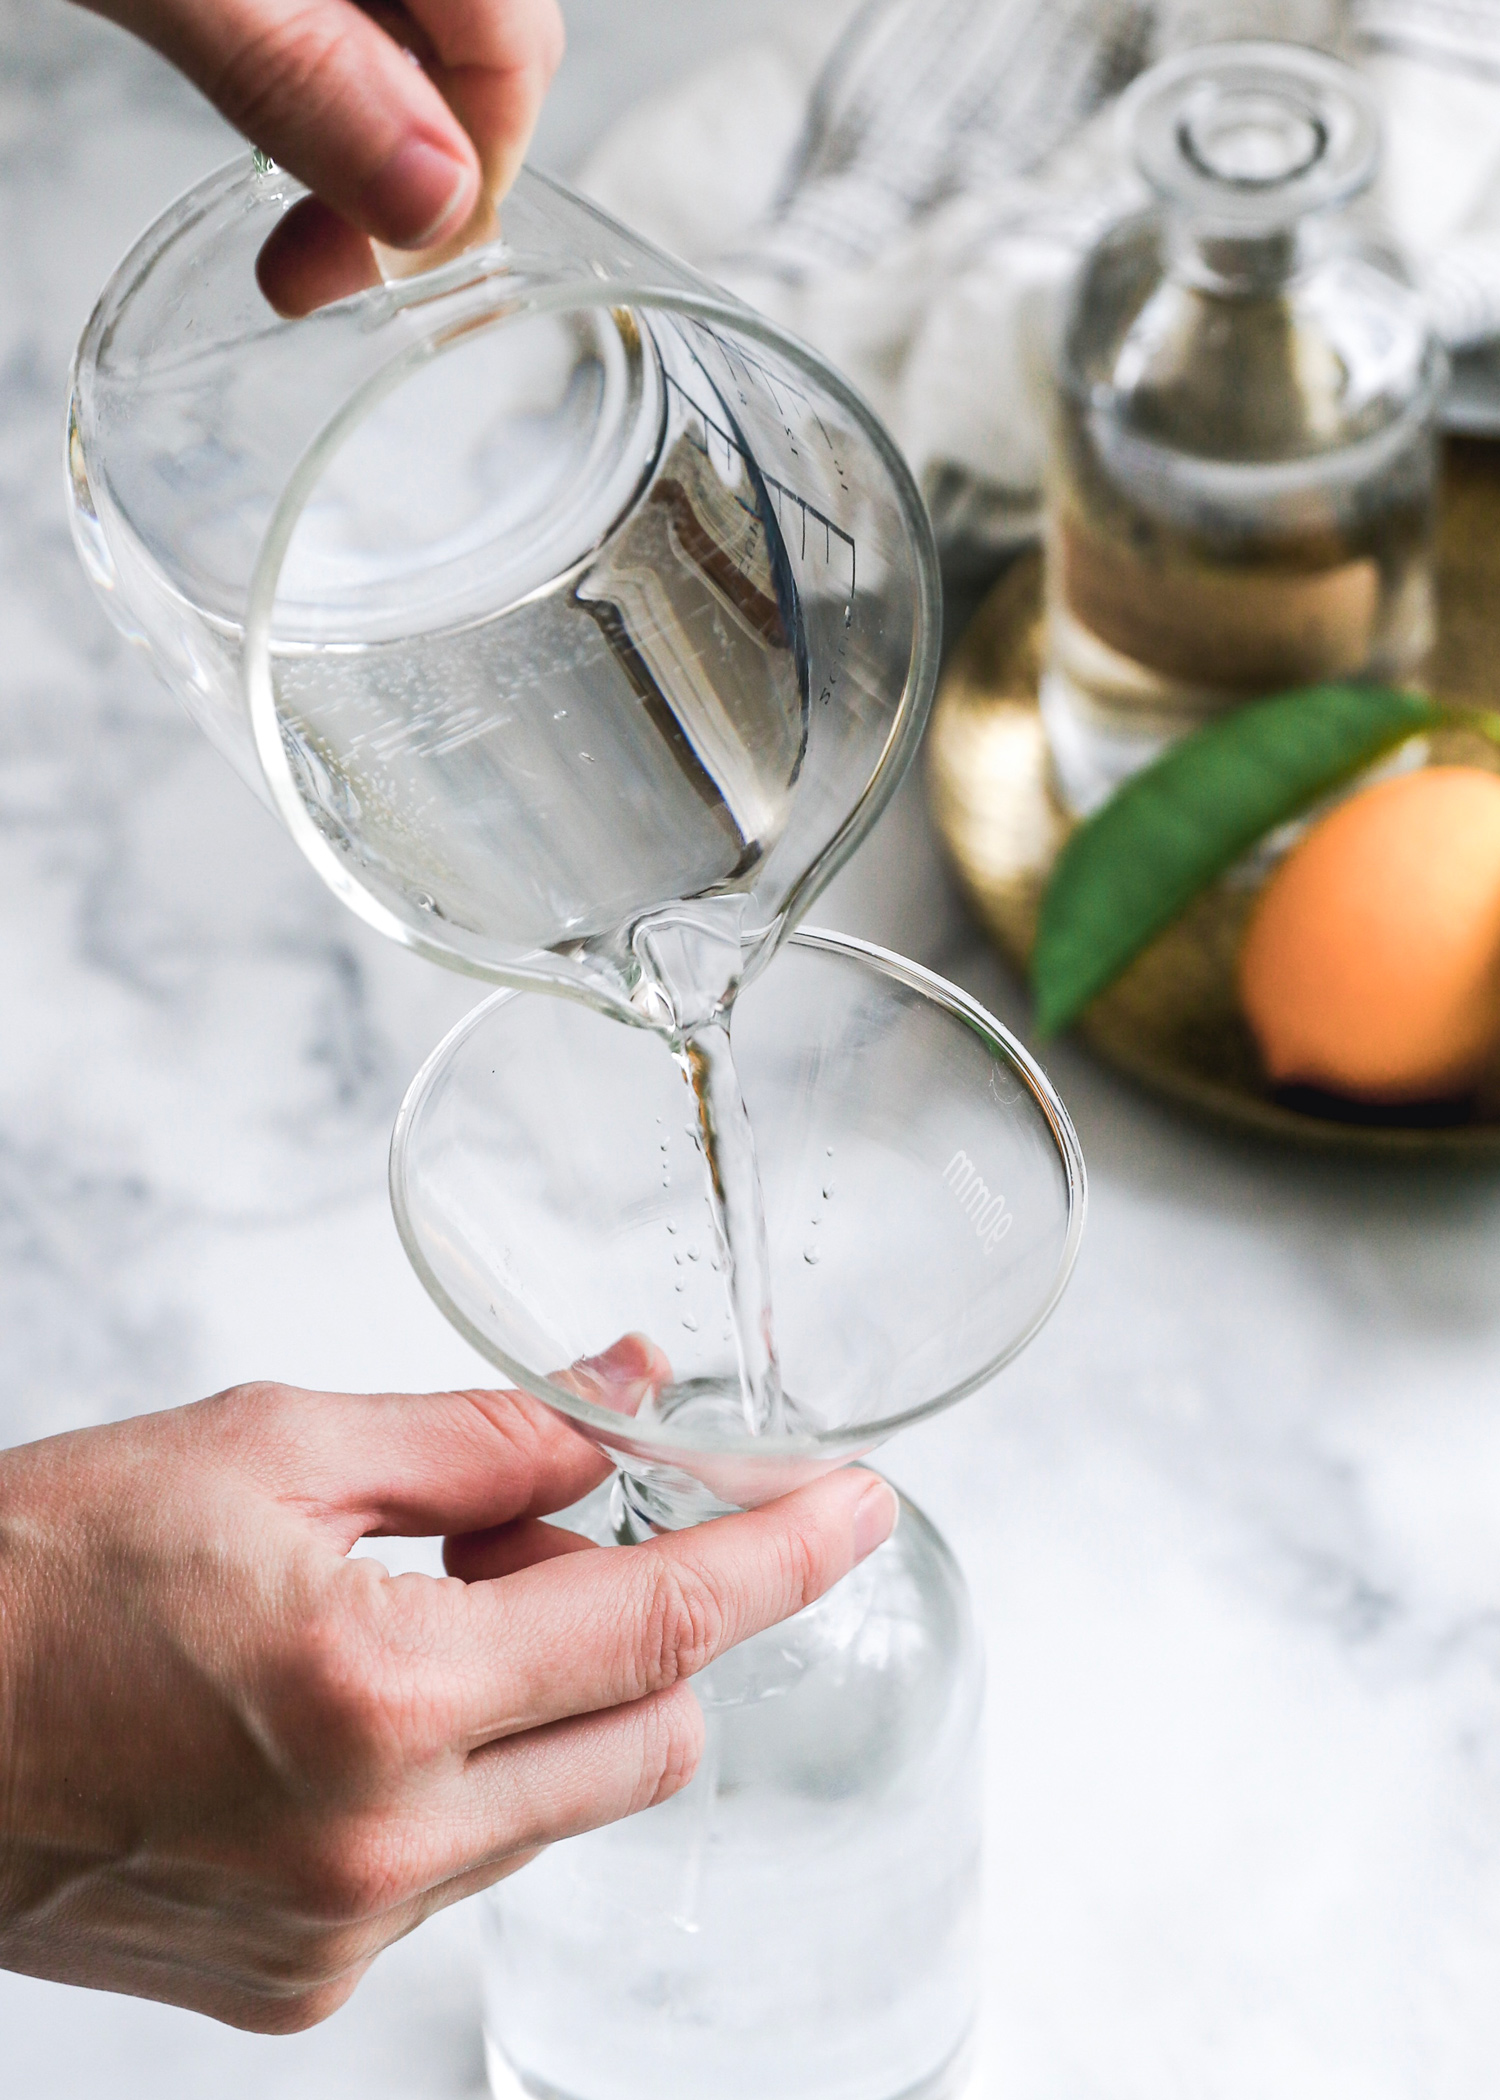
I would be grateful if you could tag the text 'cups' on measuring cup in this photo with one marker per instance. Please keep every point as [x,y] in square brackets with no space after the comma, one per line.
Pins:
[549,590]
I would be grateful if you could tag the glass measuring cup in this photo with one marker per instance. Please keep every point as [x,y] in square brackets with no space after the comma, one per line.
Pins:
[557,601]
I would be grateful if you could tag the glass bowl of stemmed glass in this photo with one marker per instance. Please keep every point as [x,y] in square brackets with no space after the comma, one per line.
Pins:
[803,1919]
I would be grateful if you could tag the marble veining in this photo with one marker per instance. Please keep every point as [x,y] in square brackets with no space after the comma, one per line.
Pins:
[1232,1524]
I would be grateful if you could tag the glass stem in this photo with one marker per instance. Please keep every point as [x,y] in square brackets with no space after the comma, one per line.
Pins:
[687,1915]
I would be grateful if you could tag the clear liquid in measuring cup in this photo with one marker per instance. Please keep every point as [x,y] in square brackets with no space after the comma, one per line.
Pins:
[627,736]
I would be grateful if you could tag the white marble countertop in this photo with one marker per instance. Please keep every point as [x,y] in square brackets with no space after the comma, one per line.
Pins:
[1233,1523]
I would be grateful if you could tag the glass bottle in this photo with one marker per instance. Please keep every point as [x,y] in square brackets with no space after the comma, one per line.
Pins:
[1244,467]
[804,1918]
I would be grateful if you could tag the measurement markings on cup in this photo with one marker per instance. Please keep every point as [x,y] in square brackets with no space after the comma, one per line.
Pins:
[735,451]
[986,1209]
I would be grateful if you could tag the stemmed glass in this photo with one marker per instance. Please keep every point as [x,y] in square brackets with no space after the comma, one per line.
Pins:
[803,1919]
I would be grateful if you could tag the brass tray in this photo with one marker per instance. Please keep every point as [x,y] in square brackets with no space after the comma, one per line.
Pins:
[1171,1021]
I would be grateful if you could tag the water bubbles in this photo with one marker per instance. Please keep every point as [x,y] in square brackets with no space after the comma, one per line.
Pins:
[690,1323]
[587,757]
[811,1256]
[828,1192]
[692,1254]
[557,715]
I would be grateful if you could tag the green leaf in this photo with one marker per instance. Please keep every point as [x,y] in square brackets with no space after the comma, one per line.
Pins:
[1136,865]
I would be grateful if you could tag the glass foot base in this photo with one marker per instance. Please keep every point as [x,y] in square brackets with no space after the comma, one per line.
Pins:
[956,2080]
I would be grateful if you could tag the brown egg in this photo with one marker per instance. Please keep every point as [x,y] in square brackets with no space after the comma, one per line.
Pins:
[1371,964]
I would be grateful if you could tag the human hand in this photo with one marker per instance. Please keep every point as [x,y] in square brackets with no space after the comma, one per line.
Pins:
[236,1763]
[409,154]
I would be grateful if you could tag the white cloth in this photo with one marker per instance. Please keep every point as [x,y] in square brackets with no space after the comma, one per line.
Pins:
[909,186]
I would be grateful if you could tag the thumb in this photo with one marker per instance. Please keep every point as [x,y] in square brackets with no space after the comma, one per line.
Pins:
[332,98]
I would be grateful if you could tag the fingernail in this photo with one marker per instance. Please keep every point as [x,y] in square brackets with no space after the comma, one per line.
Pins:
[875,1516]
[411,200]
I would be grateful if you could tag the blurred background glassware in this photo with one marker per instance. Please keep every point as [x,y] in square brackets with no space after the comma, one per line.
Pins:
[1242,483]
[562,586]
[803,1919]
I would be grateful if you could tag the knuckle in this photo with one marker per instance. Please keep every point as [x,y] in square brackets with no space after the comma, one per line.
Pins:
[672,1746]
[256,1412]
[350,1717]
[262,1427]
[512,1418]
[278,65]
[350,1876]
[684,1624]
[257,1397]
[803,1569]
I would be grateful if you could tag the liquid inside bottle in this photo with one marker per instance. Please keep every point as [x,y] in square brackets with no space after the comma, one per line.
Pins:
[1244,467]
